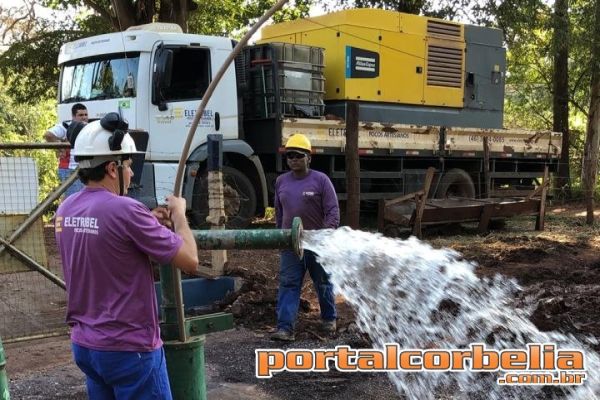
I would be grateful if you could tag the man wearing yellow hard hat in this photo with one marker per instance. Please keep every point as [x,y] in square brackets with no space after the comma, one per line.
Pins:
[308,194]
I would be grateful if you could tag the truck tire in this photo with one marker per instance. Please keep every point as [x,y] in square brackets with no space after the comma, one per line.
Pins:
[456,182]
[239,195]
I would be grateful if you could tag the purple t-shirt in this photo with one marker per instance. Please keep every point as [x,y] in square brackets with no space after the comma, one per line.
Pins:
[106,242]
[311,198]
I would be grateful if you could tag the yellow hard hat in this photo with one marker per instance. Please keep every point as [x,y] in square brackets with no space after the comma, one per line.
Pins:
[298,141]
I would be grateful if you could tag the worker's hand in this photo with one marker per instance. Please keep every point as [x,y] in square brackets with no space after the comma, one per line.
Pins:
[176,205]
[162,215]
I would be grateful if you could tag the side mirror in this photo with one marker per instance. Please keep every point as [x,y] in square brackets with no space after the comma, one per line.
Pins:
[217,121]
[161,76]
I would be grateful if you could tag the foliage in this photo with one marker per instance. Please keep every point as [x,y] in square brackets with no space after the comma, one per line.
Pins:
[446,9]
[38,77]
[27,123]
[34,55]
[238,15]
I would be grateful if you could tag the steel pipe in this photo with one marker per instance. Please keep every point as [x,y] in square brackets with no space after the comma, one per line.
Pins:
[252,238]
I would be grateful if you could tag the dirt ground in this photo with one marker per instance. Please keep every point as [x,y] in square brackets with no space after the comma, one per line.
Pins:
[559,268]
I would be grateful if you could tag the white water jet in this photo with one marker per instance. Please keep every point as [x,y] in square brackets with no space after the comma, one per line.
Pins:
[406,292]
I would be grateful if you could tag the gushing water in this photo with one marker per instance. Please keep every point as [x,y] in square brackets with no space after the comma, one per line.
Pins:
[406,292]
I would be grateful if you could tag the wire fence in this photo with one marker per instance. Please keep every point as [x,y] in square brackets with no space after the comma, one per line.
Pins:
[32,295]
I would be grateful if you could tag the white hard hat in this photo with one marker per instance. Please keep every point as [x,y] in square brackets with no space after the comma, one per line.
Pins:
[95,145]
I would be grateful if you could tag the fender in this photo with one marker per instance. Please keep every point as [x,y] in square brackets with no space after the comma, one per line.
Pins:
[200,154]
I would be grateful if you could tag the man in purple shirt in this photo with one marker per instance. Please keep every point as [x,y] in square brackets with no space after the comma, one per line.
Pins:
[310,195]
[106,241]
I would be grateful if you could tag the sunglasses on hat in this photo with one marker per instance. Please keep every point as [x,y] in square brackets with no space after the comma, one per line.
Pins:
[295,155]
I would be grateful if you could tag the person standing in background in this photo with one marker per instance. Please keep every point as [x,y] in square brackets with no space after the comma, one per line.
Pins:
[308,194]
[66,161]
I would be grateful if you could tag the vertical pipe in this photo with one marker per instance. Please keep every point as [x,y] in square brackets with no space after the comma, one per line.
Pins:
[168,303]
[216,202]
[185,365]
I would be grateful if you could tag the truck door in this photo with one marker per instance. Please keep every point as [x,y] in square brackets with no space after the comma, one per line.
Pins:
[180,77]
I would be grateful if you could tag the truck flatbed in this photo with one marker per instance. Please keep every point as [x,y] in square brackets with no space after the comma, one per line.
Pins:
[421,140]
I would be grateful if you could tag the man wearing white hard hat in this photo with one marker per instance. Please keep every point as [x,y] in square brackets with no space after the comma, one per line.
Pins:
[106,242]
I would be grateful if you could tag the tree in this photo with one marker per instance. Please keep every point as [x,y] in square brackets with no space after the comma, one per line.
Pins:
[592,141]
[560,92]
[41,41]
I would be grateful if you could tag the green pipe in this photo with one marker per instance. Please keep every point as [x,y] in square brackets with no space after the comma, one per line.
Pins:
[168,305]
[185,365]
[4,395]
[253,238]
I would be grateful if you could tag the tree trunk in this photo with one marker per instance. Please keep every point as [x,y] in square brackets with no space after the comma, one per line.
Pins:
[560,101]
[175,11]
[125,15]
[590,156]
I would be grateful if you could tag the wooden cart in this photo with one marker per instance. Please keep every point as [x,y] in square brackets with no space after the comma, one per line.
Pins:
[415,210]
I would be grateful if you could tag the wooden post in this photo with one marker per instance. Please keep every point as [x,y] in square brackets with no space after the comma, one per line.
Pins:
[539,223]
[486,167]
[352,166]
[216,203]
[484,219]
[421,200]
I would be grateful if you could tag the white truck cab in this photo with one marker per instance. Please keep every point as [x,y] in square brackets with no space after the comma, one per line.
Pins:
[155,76]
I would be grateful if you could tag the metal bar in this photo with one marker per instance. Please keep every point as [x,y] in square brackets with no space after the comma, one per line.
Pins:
[30,262]
[4,394]
[511,194]
[63,332]
[200,325]
[39,210]
[36,145]
[371,196]
[533,174]
[168,303]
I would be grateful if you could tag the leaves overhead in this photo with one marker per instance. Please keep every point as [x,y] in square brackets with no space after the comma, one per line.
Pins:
[35,42]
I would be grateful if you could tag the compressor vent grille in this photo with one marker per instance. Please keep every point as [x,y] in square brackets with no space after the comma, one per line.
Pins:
[444,66]
[448,31]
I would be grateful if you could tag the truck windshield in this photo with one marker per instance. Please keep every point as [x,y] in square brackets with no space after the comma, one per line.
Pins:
[109,77]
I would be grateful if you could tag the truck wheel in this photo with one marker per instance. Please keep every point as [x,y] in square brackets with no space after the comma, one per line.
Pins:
[239,196]
[456,182]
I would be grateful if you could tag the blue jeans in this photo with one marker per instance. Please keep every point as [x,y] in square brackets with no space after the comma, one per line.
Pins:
[63,174]
[291,275]
[123,375]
